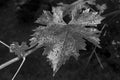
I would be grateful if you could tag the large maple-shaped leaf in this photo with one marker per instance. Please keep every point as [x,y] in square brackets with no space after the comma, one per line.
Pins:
[63,40]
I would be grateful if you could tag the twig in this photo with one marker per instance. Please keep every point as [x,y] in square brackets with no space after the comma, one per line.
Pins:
[16,59]
[91,55]
[24,58]
[9,62]
[99,60]
[114,12]
[4,44]
[94,52]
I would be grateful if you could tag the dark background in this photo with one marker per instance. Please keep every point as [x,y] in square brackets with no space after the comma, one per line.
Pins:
[16,23]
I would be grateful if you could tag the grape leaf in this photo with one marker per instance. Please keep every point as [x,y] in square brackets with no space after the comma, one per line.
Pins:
[63,40]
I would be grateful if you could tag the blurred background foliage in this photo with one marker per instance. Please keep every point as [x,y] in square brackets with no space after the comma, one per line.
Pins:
[16,23]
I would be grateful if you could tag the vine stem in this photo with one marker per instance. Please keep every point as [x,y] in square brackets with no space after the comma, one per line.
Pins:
[9,62]
[16,58]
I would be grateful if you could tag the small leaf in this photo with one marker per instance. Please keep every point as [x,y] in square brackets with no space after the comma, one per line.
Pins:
[19,50]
